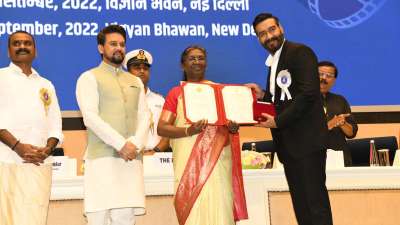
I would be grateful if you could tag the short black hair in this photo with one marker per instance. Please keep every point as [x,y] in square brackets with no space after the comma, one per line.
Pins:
[263,16]
[114,28]
[20,32]
[329,64]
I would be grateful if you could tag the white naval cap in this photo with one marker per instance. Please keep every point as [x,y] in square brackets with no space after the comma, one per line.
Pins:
[138,56]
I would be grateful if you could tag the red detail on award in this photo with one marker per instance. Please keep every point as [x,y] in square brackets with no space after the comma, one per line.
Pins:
[263,107]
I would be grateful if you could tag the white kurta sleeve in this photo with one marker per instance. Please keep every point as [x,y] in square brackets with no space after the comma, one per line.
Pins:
[54,119]
[143,120]
[88,101]
[3,120]
[4,116]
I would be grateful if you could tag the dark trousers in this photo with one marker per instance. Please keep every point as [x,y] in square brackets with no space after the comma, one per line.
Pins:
[306,179]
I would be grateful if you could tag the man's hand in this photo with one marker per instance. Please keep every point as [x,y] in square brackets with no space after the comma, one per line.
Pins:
[46,151]
[128,151]
[258,91]
[268,123]
[337,121]
[30,153]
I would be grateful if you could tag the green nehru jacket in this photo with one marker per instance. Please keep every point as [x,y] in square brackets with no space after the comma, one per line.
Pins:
[119,94]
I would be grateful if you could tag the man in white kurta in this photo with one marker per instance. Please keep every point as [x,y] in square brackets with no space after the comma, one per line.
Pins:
[30,128]
[115,113]
[138,63]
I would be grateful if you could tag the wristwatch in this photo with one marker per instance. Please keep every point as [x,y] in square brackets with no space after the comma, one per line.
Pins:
[156,149]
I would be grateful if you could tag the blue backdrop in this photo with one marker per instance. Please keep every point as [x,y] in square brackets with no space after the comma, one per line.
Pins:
[360,36]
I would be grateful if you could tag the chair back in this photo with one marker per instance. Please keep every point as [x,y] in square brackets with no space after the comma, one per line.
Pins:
[261,146]
[359,148]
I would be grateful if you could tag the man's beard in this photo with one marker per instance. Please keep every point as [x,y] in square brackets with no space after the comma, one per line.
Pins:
[117,59]
[273,49]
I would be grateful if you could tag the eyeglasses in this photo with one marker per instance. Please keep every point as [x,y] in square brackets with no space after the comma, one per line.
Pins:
[196,58]
[327,75]
[116,44]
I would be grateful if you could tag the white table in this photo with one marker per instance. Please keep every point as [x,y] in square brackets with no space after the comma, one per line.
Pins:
[258,185]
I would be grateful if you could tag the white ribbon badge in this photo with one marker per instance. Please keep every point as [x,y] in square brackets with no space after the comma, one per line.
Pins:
[284,80]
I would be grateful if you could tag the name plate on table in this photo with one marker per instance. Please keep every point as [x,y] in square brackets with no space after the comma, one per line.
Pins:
[334,159]
[159,164]
[396,161]
[63,166]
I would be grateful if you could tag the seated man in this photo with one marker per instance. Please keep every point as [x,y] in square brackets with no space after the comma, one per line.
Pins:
[341,124]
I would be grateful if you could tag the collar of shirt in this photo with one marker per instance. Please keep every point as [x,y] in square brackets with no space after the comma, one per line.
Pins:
[153,99]
[149,92]
[272,61]
[275,57]
[18,71]
[110,68]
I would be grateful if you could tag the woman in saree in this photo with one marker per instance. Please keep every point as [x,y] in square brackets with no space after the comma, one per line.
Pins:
[207,167]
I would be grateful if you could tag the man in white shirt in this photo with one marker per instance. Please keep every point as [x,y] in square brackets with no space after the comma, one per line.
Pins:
[115,112]
[138,63]
[30,129]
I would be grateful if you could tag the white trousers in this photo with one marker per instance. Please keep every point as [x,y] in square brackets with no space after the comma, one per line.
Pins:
[121,216]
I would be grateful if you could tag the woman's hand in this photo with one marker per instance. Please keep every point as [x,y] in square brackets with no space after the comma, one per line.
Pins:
[196,127]
[233,127]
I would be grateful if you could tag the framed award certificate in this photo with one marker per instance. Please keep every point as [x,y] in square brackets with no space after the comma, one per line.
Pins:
[218,103]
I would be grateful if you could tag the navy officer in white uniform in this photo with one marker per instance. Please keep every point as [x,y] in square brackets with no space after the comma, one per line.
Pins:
[138,63]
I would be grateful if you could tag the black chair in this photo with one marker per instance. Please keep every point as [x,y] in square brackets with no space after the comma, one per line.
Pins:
[261,146]
[360,148]
[169,149]
[58,152]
